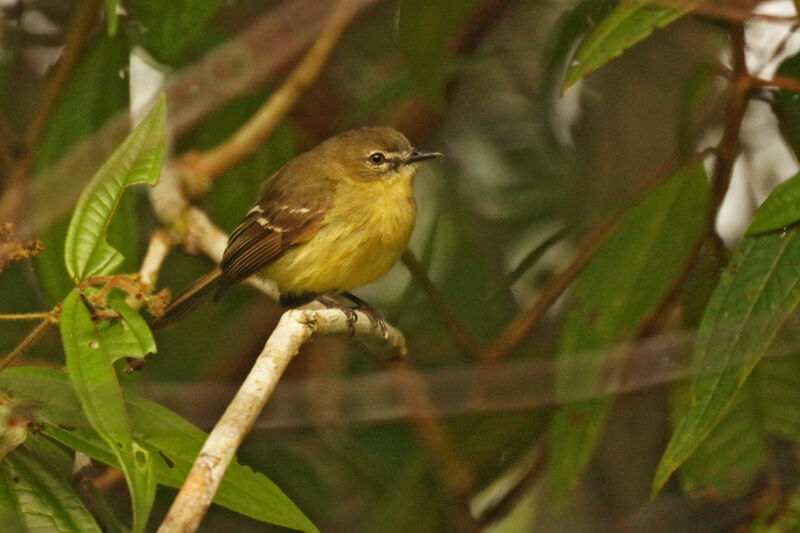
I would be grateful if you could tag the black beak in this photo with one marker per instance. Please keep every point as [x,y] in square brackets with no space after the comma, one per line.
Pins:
[417,156]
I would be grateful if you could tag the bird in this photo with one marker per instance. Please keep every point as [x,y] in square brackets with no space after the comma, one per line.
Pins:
[332,219]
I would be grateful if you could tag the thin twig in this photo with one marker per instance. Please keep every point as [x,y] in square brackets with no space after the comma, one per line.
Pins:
[463,337]
[781,82]
[741,87]
[26,316]
[33,336]
[249,137]
[295,328]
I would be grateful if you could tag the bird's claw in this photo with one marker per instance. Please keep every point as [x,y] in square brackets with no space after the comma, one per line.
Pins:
[352,318]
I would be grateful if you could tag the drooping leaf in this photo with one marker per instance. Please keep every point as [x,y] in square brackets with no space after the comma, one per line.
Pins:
[92,375]
[137,160]
[623,284]
[165,29]
[36,492]
[172,441]
[630,22]
[758,291]
[779,210]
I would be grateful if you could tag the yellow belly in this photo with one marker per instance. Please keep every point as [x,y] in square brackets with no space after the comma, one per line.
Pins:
[361,238]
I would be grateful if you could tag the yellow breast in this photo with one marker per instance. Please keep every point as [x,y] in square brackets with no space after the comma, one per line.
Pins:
[362,236]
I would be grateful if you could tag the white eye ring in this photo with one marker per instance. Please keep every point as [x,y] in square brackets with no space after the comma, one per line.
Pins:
[377,158]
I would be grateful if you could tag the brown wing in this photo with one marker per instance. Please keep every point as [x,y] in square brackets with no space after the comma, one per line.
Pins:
[289,212]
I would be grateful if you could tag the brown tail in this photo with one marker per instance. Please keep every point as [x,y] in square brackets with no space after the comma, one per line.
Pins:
[190,298]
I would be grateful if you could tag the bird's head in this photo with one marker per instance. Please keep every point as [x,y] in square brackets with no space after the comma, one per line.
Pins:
[375,154]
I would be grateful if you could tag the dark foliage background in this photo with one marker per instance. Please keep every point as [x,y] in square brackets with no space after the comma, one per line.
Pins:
[549,422]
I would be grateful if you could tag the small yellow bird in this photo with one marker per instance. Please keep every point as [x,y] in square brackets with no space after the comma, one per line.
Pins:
[332,219]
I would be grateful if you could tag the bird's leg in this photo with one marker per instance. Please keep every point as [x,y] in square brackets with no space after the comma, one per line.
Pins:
[370,311]
[291,300]
[351,315]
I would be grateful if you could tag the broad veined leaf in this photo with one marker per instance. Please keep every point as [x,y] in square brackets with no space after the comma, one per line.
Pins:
[36,492]
[727,463]
[95,93]
[758,291]
[779,210]
[173,443]
[630,22]
[137,160]
[92,374]
[621,286]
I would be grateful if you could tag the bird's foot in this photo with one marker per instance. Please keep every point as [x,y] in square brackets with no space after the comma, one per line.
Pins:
[373,314]
[349,312]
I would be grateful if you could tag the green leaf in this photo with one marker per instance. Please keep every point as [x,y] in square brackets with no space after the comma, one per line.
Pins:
[163,433]
[726,463]
[787,105]
[129,337]
[96,91]
[137,160]
[622,285]
[92,375]
[166,29]
[758,291]
[568,31]
[630,22]
[778,380]
[779,210]
[36,492]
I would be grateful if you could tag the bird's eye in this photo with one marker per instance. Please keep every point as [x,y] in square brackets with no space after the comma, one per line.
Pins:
[377,158]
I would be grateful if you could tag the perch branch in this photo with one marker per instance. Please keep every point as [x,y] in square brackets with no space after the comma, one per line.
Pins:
[295,328]
[157,250]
